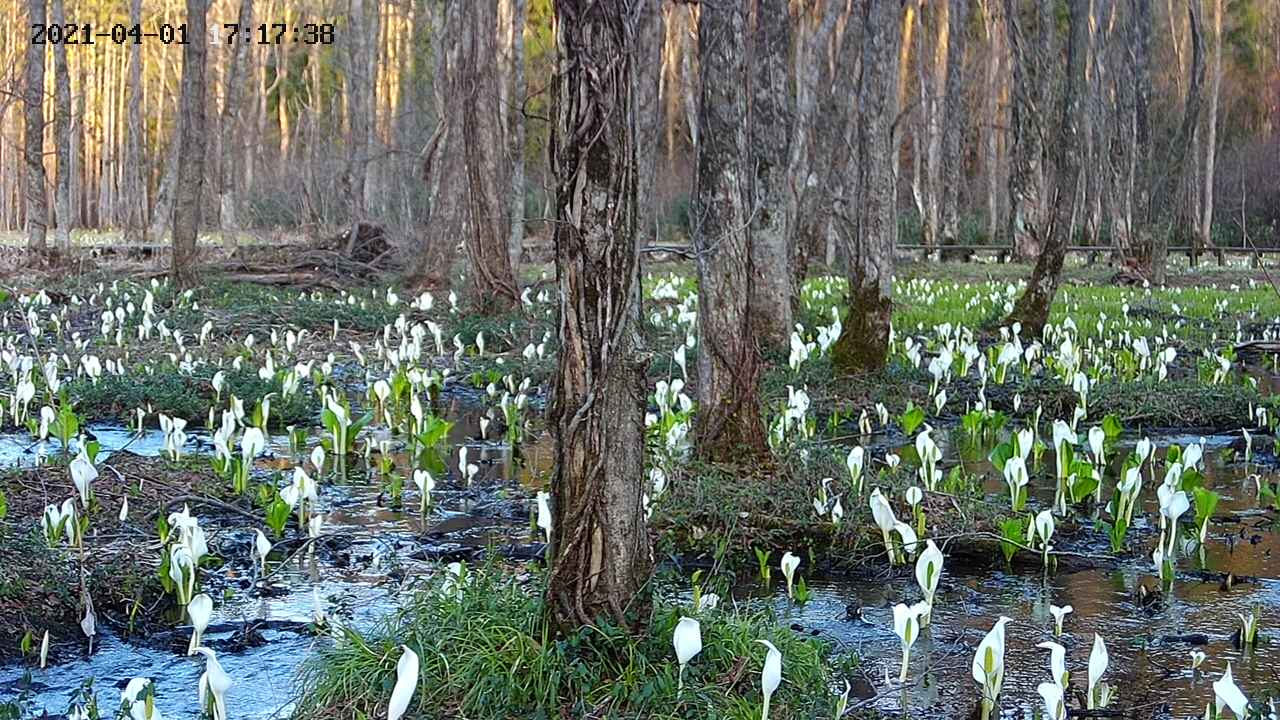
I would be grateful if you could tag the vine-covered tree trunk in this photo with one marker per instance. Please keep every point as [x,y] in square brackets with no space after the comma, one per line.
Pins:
[769,113]
[1032,307]
[190,175]
[726,201]
[869,223]
[602,554]
[37,204]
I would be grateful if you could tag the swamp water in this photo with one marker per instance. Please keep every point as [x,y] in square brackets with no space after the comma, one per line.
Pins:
[357,581]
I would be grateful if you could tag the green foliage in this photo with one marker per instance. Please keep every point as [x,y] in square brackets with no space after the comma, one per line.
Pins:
[1012,532]
[186,396]
[486,651]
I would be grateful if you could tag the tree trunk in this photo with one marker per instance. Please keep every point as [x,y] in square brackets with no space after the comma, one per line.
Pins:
[443,162]
[62,135]
[493,282]
[602,554]
[726,200]
[234,150]
[1211,133]
[957,120]
[1032,308]
[516,125]
[769,113]
[1032,93]
[811,141]
[1179,170]
[37,203]
[359,97]
[191,147]
[869,223]
[135,179]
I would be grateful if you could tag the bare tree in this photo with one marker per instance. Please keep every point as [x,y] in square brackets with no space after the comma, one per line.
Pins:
[1032,307]
[191,147]
[868,223]
[726,201]
[37,204]
[61,134]
[602,553]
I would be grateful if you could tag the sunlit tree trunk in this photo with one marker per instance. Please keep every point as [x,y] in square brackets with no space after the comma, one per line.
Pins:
[726,200]
[868,223]
[1032,307]
[62,134]
[191,147]
[135,179]
[602,553]
[37,204]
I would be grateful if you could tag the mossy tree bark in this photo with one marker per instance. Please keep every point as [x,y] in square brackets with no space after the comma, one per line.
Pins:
[190,179]
[37,204]
[603,558]
[868,224]
[1032,308]
[728,198]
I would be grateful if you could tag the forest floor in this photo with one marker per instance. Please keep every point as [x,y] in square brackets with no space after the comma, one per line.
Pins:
[722,522]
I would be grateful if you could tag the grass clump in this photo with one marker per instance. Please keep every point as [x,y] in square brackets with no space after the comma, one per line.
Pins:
[186,396]
[486,651]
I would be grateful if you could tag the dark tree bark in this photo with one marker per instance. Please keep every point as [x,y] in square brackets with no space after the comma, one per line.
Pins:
[37,204]
[602,554]
[770,112]
[869,223]
[727,198]
[62,135]
[190,176]
[1032,308]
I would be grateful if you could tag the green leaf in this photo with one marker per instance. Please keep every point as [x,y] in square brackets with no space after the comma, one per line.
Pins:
[911,419]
